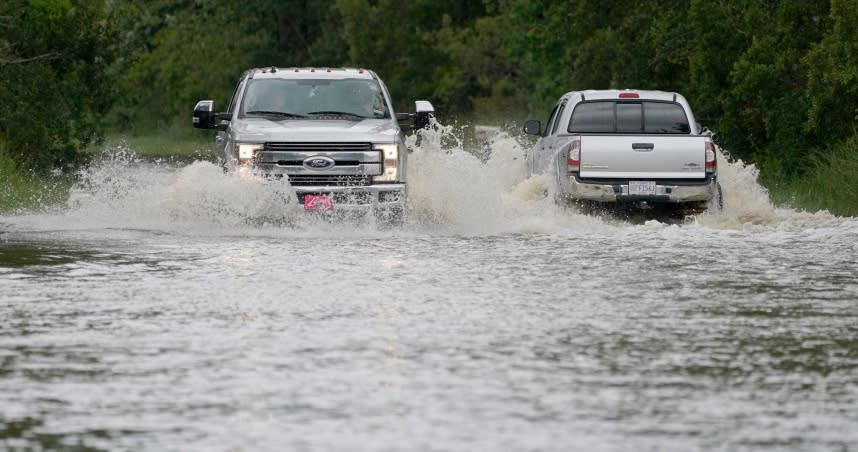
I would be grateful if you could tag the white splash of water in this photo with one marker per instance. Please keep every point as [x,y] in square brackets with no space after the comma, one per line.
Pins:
[202,191]
[747,205]
[452,188]
[121,190]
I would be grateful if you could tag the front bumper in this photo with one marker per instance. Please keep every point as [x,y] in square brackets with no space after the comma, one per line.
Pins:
[667,191]
[379,195]
[347,191]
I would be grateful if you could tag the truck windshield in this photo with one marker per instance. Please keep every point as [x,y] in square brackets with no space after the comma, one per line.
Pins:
[629,117]
[353,99]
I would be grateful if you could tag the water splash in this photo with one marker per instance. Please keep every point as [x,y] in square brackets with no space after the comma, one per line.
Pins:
[482,189]
[123,190]
[747,205]
[455,186]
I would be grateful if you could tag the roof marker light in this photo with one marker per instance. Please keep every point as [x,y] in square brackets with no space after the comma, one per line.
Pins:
[629,95]
[296,69]
[312,69]
[329,69]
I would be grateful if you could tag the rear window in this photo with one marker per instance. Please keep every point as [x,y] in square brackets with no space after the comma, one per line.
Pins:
[629,117]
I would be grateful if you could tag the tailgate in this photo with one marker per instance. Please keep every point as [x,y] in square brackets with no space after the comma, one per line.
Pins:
[643,157]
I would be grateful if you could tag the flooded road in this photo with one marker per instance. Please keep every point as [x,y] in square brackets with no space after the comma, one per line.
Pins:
[172,307]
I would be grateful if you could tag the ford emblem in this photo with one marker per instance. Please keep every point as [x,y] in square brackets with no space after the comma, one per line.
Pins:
[319,162]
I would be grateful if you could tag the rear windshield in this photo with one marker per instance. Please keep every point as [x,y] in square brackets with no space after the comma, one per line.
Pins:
[629,117]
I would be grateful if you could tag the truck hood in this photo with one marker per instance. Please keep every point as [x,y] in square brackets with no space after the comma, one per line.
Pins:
[367,130]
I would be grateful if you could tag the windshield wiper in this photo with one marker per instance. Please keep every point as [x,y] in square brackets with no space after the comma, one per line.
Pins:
[335,113]
[281,114]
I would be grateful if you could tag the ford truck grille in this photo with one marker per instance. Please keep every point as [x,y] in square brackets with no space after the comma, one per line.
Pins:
[352,164]
[337,181]
[317,147]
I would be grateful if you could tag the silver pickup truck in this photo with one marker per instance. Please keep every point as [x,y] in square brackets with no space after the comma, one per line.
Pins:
[332,132]
[624,147]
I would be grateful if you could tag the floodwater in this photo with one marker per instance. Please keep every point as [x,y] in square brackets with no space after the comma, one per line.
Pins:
[169,306]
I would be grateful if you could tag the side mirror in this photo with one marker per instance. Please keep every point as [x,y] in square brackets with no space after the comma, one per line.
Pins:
[423,111]
[204,114]
[405,117]
[533,127]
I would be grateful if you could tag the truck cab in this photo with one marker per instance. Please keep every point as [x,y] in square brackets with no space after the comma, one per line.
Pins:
[332,132]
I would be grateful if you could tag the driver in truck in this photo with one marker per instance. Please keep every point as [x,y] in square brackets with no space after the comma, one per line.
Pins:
[361,101]
[279,101]
[358,101]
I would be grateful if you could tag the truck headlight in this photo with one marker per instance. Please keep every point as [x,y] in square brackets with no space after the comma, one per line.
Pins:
[247,151]
[390,163]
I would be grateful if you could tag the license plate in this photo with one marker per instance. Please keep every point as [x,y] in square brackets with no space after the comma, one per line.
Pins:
[318,202]
[641,187]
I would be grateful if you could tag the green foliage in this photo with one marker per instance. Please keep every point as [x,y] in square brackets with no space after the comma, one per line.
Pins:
[764,102]
[54,56]
[828,183]
[189,52]
[26,190]
[411,46]
[832,86]
[593,44]
[477,75]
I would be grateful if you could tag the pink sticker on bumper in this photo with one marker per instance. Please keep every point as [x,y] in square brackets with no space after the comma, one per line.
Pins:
[318,202]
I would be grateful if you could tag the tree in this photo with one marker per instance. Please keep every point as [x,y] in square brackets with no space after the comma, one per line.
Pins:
[54,56]
[400,41]
[833,75]
[757,87]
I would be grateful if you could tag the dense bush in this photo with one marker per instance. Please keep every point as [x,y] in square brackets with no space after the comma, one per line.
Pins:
[54,70]
[828,183]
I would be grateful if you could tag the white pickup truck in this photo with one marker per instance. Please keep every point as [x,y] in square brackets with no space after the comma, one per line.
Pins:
[626,147]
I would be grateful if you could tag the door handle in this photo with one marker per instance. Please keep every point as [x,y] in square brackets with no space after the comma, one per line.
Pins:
[643,147]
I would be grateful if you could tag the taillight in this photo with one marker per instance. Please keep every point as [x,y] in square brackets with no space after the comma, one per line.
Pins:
[710,157]
[573,156]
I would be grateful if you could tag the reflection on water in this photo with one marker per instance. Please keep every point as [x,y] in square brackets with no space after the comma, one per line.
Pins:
[156,311]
